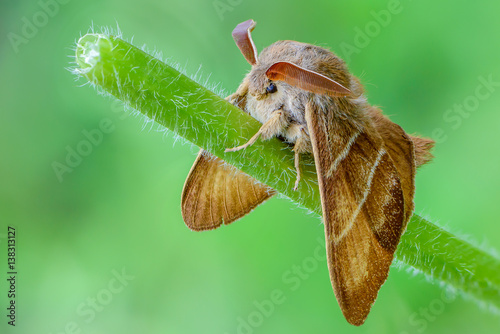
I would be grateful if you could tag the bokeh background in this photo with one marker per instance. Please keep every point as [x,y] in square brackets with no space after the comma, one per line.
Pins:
[117,213]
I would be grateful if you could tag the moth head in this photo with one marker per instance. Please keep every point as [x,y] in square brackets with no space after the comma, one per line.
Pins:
[290,68]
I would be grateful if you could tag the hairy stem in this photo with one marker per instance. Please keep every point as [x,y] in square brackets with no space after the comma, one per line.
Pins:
[187,108]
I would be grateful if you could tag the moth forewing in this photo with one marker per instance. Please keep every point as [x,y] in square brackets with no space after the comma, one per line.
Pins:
[363,208]
[216,193]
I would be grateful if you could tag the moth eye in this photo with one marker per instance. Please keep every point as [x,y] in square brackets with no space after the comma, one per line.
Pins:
[271,88]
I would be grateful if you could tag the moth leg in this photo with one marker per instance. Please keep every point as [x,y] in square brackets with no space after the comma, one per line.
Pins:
[239,98]
[273,127]
[302,145]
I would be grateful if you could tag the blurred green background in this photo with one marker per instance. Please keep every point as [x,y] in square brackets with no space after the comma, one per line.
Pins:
[117,213]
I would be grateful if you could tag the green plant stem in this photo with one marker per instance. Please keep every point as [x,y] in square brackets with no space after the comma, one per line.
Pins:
[190,110]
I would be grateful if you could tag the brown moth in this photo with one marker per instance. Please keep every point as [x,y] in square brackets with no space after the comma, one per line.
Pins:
[365,163]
